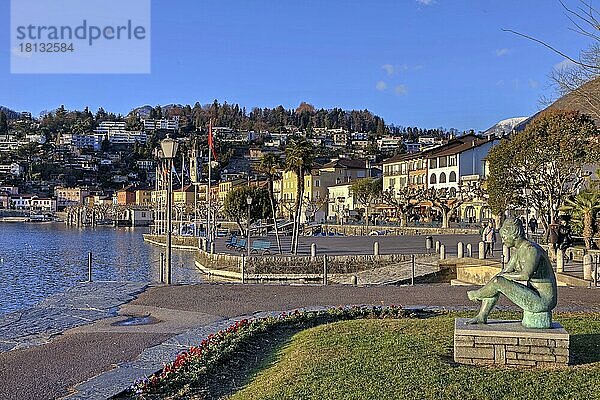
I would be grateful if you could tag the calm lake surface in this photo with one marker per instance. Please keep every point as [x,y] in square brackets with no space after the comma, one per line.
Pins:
[40,259]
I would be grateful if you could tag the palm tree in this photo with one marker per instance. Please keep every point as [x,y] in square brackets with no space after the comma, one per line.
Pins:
[269,164]
[299,159]
[583,209]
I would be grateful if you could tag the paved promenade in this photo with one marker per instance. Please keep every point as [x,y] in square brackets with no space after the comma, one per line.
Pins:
[344,245]
[81,362]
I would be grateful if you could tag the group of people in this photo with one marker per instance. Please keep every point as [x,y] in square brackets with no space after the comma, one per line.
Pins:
[559,235]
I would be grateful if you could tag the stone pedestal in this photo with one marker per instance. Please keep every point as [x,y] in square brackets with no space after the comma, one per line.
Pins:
[509,343]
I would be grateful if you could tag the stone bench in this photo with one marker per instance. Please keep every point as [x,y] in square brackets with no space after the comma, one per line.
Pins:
[509,343]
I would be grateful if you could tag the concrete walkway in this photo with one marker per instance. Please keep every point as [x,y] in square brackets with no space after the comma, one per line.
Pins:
[81,361]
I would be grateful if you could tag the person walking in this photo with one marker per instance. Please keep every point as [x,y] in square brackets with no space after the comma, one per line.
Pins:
[533,225]
[489,238]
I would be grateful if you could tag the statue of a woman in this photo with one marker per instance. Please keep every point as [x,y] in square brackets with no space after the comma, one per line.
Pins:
[527,280]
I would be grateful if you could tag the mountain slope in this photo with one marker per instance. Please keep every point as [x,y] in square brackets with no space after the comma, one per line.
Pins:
[586,100]
[10,114]
[504,127]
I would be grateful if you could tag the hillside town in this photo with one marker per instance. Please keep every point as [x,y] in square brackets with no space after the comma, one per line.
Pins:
[113,170]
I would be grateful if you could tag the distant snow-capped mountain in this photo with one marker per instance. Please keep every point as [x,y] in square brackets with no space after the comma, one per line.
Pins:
[504,127]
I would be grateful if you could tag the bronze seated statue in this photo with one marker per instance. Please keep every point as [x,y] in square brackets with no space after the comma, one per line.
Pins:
[527,280]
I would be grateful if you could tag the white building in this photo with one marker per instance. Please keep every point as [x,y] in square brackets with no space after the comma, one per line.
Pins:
[341,203]
[21,201]
[161,124]
[13,169]
[388,143]
[463,156]
[43,204]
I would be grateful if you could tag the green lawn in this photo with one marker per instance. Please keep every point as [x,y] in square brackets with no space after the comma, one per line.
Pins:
[412,359]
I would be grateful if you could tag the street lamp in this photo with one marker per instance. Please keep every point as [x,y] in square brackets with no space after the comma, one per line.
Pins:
[249,202]
[169,150]
[341,201]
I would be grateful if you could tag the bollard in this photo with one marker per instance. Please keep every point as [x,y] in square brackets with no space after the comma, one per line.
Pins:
[412,270]
[212,247]
[354,280]
[506,253]
[162,268]
[437,246]
[376,248]
[469,250]
[243,268]
[428,243]
[90,266]
[587,267]
[313,250]
[481,251]
[560,261]
[324,269]
[442,252]
[596,272]
[460,250]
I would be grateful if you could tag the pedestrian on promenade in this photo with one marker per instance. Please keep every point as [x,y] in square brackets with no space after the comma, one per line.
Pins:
[533,225]
[565,240]
[489,238]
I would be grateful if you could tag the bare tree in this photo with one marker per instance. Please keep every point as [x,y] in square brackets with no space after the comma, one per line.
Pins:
[575,76]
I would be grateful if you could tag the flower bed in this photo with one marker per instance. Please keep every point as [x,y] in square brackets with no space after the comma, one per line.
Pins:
[191,365]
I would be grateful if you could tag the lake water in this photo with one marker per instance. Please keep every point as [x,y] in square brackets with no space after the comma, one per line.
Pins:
[40,259]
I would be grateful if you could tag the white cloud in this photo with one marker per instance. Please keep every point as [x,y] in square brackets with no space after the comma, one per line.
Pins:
[401,90]
[381,86]
[426,2]
[389,68]
[564,64]
[502,52]
[534,84]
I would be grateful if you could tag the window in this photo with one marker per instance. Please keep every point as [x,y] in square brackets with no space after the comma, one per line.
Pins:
[392,182]
[443,163]
[317,183]
[432,179]
[433,163]
[452,192]
[452,161]
[443,177]
[452,177]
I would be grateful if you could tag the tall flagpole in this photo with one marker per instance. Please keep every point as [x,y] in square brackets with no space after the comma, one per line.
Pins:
[208,222]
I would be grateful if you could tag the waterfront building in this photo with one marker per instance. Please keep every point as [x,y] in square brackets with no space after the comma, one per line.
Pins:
[395,172]
[43,204]
[227,186]
[21,202]
[126,196]
[463,156]
[143,196]
[69,196]
[341,203]
[4,199]
[315,200]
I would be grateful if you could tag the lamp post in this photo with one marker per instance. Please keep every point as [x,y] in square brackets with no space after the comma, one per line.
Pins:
[169,150]
[341,201]
[249,202]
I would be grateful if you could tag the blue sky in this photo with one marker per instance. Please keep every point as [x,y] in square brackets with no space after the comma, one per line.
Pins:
[426,63]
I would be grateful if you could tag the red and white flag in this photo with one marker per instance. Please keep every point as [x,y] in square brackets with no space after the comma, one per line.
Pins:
[211,144]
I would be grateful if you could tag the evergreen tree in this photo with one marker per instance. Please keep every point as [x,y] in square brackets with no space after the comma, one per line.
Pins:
[3,123]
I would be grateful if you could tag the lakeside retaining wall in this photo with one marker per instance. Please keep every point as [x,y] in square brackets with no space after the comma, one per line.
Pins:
[387,268]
